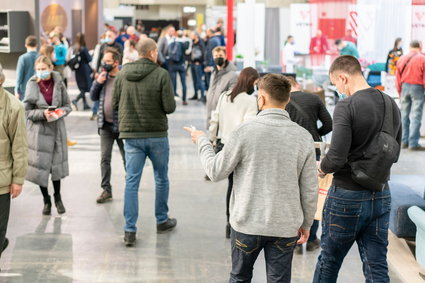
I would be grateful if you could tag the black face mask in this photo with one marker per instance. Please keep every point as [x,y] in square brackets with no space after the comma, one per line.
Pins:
[108,67]
[219,61]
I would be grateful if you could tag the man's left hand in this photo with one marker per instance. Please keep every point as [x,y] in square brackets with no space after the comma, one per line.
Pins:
[15,190]
[194,133]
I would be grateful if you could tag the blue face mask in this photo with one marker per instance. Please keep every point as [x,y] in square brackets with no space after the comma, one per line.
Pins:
[341,95]
[43,74]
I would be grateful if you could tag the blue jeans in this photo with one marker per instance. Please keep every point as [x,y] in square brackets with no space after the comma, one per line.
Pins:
[277,251]
[354,216]
[174,69]
[412,103]
[198,83]
[136,151]
[95,107]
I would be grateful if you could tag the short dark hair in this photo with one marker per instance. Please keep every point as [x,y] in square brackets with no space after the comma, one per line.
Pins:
[289,37]
[338,41]
[277,87]
[31,41]
[347,64]
[115,54]
[415,44]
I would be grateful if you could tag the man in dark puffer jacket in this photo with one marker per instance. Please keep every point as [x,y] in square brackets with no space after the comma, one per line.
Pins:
[143,96]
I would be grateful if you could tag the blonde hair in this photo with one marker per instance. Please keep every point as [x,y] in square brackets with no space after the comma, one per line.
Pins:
[45,60]
[47,50]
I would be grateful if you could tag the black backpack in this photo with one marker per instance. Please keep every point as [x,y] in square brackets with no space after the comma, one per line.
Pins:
[175,52]
[372,170]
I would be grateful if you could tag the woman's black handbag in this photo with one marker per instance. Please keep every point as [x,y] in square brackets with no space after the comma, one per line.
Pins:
[74,62]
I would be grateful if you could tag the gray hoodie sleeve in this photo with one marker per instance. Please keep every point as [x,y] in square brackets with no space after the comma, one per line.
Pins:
[309,187]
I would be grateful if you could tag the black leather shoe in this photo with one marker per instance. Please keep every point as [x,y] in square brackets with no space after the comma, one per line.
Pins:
[193,98]
[129,238]
[168,225]
[47,209]
[60,207]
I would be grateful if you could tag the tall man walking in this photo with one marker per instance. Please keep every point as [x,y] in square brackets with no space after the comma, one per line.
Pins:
[101,91]
[355,212]
[410,83]
[143,96]
[275,187]
[13,155]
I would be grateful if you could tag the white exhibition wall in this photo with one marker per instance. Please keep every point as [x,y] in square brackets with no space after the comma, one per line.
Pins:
[250,32]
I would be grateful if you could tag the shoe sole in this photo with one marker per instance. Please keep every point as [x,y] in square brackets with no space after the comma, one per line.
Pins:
[127,244]
[165,231]
[103,201]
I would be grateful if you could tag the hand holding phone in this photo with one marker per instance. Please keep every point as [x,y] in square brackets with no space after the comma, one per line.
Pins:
[194,133]
[51,108]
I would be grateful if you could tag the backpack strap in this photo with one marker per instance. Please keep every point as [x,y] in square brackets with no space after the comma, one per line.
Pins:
[387,124]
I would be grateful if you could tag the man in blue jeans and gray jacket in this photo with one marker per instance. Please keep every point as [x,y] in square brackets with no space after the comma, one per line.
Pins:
[275,184]
[143,96]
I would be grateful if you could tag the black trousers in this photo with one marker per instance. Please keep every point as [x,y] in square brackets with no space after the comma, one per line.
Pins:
[107,139]
[4,217]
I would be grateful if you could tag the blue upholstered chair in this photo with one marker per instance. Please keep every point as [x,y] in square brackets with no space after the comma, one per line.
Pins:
[417,215]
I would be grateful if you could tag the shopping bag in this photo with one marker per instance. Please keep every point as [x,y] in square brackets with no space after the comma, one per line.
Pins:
[324,185]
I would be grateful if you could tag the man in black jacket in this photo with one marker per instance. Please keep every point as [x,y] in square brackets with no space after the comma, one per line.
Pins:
[107,119]
[354,213]
[306,109]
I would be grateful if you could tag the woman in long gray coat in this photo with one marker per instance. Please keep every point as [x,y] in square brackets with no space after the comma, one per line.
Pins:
[46,104]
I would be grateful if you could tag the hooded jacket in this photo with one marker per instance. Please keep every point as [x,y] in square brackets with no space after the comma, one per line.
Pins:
[221,81]
[143,96]
[13,141]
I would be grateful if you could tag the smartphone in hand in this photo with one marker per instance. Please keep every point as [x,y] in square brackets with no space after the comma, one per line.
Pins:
[52,108]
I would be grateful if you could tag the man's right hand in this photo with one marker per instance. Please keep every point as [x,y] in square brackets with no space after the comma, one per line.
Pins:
[101,78]
[15,190]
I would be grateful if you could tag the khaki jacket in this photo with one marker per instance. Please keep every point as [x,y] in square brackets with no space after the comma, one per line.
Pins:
[13,142]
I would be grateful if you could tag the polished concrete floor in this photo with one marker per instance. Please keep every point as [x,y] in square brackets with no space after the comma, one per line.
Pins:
[86,243]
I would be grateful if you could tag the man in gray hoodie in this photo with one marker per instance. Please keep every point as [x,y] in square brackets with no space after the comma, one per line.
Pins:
[275,184]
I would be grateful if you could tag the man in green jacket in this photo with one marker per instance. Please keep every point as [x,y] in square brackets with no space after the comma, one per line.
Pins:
[143,96]
[13,155]
[347,48]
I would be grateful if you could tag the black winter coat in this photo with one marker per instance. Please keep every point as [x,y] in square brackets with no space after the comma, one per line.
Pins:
[83,73]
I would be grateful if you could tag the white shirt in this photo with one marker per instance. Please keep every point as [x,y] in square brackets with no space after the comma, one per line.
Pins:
[130,56]
[289,57]
[229,115]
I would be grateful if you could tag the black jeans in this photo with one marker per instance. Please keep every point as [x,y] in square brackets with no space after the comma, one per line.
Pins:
[278,253]
[4,217]
[107,139]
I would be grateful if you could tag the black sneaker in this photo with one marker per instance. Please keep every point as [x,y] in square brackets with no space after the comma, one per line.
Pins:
[193,98]
[166,226]
[129,238]
[104,197]
[311,246]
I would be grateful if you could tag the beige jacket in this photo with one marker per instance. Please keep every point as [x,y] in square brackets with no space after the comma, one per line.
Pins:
[13,142]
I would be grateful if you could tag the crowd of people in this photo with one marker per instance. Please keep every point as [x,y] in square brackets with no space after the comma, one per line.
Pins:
[261,134]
